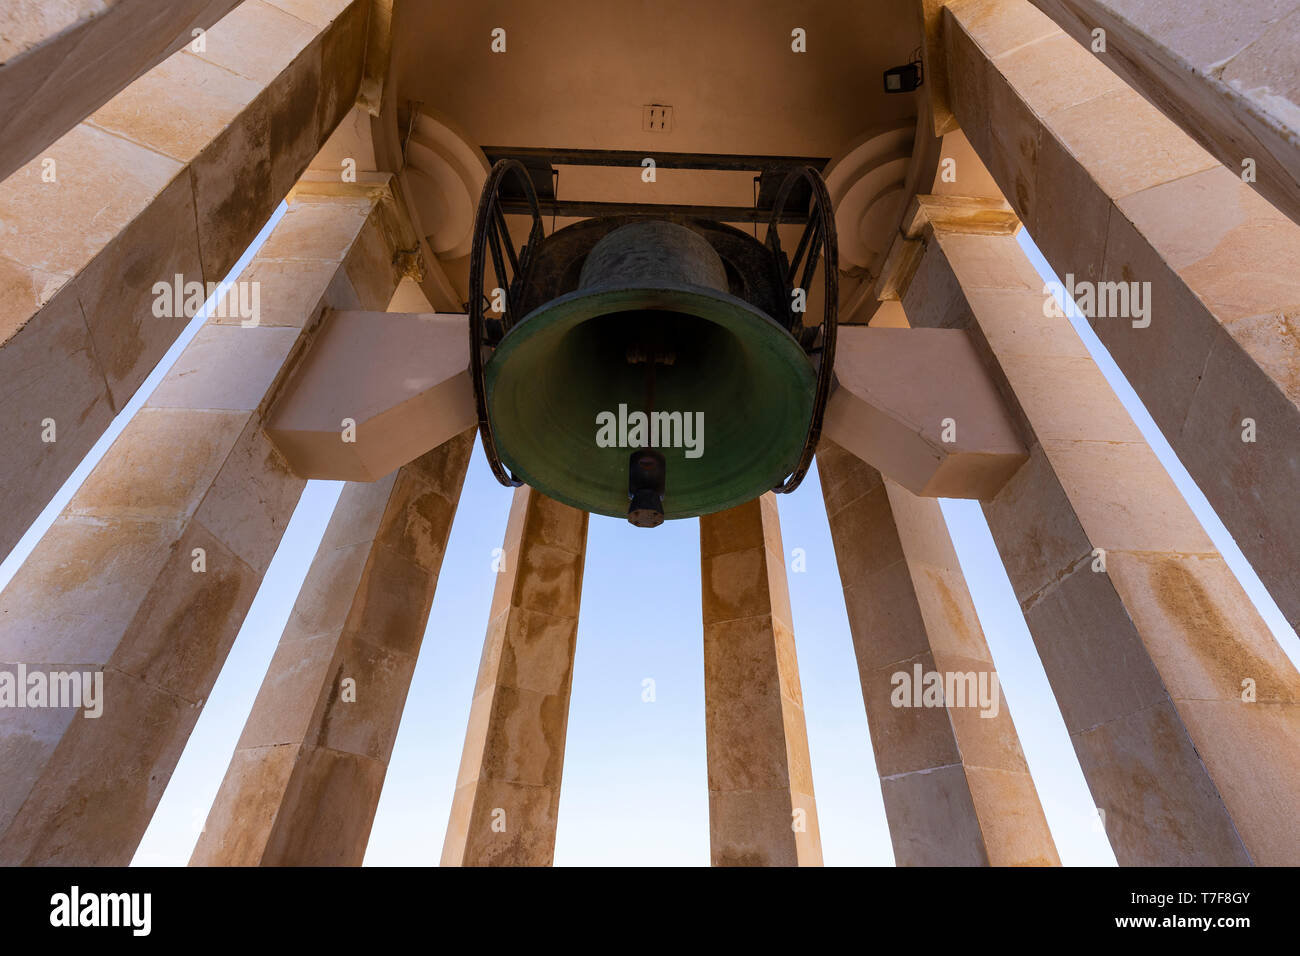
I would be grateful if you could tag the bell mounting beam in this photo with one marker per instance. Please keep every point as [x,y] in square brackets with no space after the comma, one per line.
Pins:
[580,209]
[771,172]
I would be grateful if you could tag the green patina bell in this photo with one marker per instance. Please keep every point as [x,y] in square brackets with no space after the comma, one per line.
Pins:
[650,351]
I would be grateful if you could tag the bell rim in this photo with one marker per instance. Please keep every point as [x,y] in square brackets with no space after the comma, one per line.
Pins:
[582,305]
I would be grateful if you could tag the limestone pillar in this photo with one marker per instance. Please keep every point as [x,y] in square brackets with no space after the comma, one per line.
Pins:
[59,62]
[762,810]
[304,782]
[146,575]
[172,177]
[507,797]
[1224,72]
[956,786]
[1115,192]
[1183,710]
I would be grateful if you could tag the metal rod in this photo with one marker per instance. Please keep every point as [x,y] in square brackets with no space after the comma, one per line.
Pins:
[578,209]
[802,247]
[814,253]
[498,264]
[500,218]
[629,157]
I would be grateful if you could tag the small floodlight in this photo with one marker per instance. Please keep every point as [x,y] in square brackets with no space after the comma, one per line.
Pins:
[904,79]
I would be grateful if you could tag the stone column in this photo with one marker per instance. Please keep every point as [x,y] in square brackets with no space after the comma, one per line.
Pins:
[147,574]
[762,810]
[302,787]
[59,62]
[1183,710]
[1114,192]
[956,786]
[1225,73]
[172,177]
[507,796]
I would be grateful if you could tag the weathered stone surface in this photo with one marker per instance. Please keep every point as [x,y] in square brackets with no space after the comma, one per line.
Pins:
[908,606]
[934,819]
[1224,73]
[93,763]
[146,576]
[48,376]
[138,199]
[59,62]
[1174,813]
[1216,258]
[1141,629]
[305,778]
[762,810]
[507,796]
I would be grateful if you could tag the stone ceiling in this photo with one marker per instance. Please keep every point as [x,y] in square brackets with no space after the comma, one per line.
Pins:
[578,75]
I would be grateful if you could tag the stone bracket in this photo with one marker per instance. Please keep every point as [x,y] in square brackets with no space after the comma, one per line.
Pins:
[919,406]
[975,215]
[901,263]
[970,214]
[374,391]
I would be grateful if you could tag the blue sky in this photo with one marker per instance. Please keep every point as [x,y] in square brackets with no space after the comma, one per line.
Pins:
[634,789]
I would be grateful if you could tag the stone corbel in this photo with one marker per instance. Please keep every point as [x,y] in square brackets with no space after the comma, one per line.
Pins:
[978,216]
[374,391]
[918,406]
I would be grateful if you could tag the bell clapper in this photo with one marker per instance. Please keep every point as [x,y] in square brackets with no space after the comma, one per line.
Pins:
[647,467]
[645,488]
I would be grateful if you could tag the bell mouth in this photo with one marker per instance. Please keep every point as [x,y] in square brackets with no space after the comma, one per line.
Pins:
[736,400]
